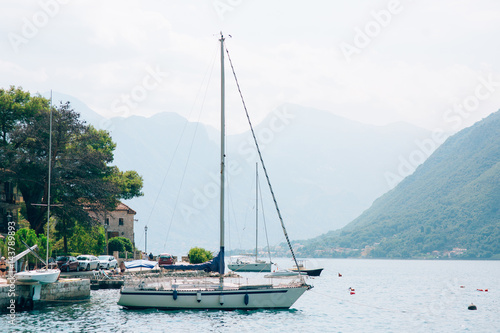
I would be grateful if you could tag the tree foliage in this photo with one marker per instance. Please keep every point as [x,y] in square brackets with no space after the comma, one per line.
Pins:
[82,178]
[87,241]
[198,255]
[120,244]
[29,237]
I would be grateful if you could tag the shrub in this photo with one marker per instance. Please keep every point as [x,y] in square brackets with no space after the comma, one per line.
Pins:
[198,255]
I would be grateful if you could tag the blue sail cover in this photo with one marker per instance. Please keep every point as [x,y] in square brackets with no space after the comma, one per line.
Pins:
[140,263]
[208,266]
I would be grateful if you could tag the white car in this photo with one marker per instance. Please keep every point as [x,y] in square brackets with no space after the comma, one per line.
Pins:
[107,262]
[88,262]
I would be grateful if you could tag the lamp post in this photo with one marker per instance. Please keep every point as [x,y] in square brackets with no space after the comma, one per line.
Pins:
[106,232]
[146,239]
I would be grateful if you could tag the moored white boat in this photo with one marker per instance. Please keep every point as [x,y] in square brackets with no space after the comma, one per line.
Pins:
[42,276]
[247,263]
[250,266]
[206,293]
[211,296]
[284,273]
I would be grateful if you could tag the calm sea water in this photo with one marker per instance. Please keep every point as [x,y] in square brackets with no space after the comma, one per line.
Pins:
[390,296]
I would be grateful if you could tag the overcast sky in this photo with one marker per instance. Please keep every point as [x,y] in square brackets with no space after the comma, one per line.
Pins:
[432,63]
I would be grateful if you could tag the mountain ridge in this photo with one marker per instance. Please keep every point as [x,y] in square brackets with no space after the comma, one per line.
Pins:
[325,171]
[450,201]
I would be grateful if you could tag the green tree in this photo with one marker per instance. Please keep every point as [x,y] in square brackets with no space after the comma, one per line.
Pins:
[120,244]
[87,241]
[198,255]
[82,178]
[17,107]
[29,237]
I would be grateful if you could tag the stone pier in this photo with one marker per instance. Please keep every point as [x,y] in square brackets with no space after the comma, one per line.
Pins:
[26,296]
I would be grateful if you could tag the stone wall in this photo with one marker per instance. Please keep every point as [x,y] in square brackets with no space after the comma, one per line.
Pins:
[62,290]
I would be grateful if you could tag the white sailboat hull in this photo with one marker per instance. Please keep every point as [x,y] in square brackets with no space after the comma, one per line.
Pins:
[250,267]
[42,276]
[227,299]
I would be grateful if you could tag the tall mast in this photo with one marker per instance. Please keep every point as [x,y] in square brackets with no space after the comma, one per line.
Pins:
[222,157]
[256,209]
[50,175]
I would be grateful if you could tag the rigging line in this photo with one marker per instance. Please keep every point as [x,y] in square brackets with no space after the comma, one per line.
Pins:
[265,225]
[264,167]
[173,155]
[245,219]
[192,142]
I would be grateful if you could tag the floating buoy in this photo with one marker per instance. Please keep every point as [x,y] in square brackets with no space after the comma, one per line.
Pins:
[486,290]
[472,307]
[480,290]
[352,293]
[340,275]
[462,286]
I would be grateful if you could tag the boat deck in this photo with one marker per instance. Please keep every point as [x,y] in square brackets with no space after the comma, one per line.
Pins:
[206,284]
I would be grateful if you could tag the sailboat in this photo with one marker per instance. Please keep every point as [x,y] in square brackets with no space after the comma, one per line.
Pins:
[45,275]
[247,263]
[213,294]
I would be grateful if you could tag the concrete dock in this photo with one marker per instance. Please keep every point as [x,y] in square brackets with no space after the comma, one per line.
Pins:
[27,296]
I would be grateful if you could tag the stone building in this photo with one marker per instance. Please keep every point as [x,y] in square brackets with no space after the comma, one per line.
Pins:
[120,222]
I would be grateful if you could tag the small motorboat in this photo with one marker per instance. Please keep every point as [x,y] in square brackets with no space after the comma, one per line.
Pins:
[283,273]
[308,271]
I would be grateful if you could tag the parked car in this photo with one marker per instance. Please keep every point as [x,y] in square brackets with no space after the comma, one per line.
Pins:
[67,263]
[88,262]
[52,263]
[165,259]
[107,262]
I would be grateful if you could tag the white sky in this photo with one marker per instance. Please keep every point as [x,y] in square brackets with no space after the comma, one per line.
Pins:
[416,64]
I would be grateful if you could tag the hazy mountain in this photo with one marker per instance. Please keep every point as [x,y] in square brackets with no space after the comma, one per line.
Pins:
[451,201]
[325,171]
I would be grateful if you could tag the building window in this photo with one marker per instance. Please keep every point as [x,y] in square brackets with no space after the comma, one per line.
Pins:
[106,222]
[120,221]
